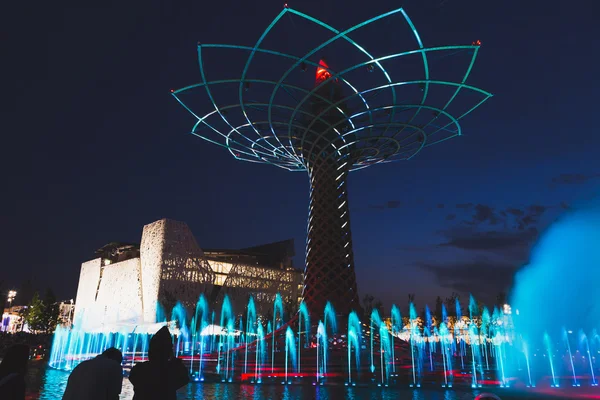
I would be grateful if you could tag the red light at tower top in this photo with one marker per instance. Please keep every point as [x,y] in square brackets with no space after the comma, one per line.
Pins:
[322,72]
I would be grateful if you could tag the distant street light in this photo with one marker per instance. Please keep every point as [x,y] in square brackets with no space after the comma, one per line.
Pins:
[11,296]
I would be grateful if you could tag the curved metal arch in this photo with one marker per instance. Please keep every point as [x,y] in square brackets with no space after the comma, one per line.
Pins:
[264,138]
[218,109]
[360,48]
[348,144]
[254,123]
[405,125]
[354,67]
[334,104]
[327,42]
[209,93]
[425,63]
[285,55]
[256,46]
[287,156]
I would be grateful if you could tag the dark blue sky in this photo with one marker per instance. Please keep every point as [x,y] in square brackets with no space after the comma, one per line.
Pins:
[94,147]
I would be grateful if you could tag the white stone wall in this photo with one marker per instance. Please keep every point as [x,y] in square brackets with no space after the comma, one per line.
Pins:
[151,254]
[119,297]
[89,277]
[108,294]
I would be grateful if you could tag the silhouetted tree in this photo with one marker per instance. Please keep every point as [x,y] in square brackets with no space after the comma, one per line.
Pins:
[370,303]
[438,309]
[451,304]
[51,312]
[34,317]
[42,315]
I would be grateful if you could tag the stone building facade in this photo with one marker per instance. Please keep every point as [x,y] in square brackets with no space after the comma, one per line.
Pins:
[124,286]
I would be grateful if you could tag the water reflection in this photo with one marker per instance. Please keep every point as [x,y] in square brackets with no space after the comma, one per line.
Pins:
[49,384]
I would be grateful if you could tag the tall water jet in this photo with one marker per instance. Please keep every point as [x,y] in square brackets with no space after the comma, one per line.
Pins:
[260,352]
[303,316]
[200,323]
[375,323]
[384,353]
[458,334]
[178,315]
[428,335]
[475,354]
[567,341]
[484,332]
[212,336]
[290,350]
[474,338]
[226,317]
[585,344]
[498,338]
[250,322]
[445,349]
[354,342]
[329,317]
[230,366]
[526,354]
[415,346]
[548,346]
[322,344]
[277,308]
[396,329]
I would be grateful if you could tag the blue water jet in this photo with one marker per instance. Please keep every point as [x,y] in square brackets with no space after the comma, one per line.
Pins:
[277,309]
[354,343]
[303,316]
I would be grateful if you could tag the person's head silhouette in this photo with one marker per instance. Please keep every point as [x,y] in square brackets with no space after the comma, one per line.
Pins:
[15,360]
[161,346]
[113,354]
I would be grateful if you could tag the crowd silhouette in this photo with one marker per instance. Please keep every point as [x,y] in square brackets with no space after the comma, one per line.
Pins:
[101,378]
[12,372]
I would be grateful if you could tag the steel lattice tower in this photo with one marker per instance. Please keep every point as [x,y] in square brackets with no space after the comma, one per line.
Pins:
[341,124]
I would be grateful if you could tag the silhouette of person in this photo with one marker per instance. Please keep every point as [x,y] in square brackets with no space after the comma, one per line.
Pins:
[161,376]
[12,372]
[100,378]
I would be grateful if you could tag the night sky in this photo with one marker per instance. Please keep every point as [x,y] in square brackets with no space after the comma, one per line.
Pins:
[94,146]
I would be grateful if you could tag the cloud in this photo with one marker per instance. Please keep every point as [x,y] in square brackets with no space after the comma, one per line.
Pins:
[515,211]
[494,241]
[389,204]
[483,278]
[574,179]
[464,205]
[486,217]
[485,213]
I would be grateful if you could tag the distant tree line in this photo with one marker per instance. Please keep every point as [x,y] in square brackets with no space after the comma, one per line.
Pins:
[370,302]
[41,315]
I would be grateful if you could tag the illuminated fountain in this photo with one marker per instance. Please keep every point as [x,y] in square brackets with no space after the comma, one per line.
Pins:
[411,352]
[501,348]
